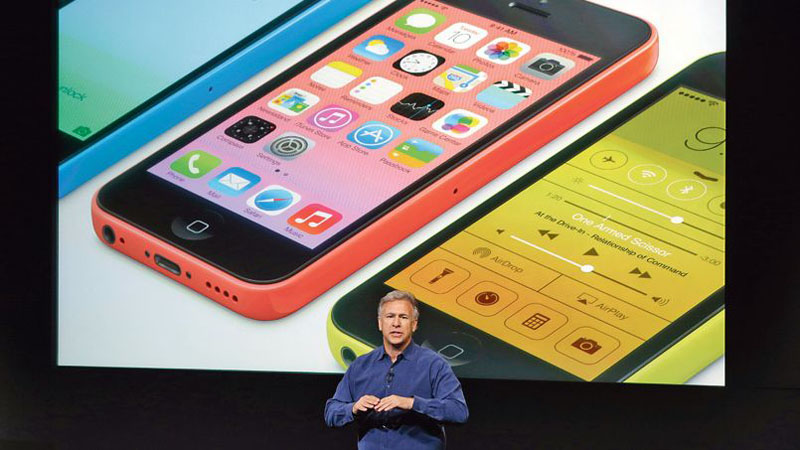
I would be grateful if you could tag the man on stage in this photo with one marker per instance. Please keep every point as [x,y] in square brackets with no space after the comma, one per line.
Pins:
[399,394]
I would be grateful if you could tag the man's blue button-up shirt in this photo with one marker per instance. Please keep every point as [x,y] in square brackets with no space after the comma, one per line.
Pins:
[418,372]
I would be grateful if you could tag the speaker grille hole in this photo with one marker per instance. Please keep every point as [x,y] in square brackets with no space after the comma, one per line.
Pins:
[235,298]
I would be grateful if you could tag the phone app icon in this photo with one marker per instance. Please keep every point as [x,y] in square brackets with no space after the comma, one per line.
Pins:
[503,51]
[504,94]
[234,181]
[273,200]
[417,106]
[314,218]
[460,123]
[293,101]
[460,78]
[373,134]
[378,47]
[332,118]
[420,20]
[376,90]
[195,164]
[336,74]
[461,35]
[415,152]
[547,66]
[250,129]
[290,145]
[418,63]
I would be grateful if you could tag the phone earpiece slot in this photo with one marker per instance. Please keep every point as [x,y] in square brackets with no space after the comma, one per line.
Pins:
[529,9]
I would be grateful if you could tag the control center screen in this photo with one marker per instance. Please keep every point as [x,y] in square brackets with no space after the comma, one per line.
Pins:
[590,262]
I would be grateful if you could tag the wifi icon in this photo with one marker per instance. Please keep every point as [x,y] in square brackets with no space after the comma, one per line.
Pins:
[647,174]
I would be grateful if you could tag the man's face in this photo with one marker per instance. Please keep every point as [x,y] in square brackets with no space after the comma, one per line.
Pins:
[397,322]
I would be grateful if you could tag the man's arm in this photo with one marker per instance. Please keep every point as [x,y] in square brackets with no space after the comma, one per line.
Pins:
[447,403]
[339,409]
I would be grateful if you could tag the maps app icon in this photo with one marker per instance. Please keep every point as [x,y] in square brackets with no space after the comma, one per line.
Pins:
[415,152]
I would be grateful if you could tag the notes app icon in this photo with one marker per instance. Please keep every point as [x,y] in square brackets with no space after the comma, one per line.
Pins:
[314,219]
[336,74]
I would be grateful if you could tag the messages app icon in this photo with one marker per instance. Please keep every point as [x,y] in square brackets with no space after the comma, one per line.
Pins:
[420,20]
[234,181]
[378,47]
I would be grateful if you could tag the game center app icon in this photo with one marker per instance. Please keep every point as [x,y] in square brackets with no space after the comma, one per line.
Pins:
[314,219]
[336,74]
[504,94]
[333,117]
[250,129]
[418,63]
[415,152]
[293,101]
[373,134]
[378,47]
[273,200]
[460,78]
[376,90]
[420,20]
[460,123]
[234,181]
[503,51]
[417,106]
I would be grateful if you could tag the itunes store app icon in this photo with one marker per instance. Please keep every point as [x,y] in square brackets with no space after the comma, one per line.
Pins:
[332,118]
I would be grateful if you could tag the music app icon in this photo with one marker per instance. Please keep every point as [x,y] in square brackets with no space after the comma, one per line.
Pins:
[314,218]
[332,118]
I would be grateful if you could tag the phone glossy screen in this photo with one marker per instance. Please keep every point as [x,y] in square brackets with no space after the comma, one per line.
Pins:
[114,56]
[329,145]
[601,254]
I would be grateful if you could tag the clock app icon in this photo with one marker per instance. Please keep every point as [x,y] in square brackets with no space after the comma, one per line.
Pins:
[418,63]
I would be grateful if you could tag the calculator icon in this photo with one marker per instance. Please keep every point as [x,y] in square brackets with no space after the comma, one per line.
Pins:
[535,321]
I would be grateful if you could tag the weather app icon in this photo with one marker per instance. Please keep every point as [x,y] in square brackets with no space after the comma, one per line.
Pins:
[378,47]
[415,152]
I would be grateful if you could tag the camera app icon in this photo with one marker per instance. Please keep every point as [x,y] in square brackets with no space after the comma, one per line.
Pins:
[589,346]
[547,66]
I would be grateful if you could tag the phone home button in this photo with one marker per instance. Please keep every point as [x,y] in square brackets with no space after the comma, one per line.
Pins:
[196,227]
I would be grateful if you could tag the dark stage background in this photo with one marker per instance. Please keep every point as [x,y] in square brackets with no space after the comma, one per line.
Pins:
[43,406]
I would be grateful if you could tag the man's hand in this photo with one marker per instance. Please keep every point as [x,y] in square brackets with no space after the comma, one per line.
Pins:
[364,403]
[394,401]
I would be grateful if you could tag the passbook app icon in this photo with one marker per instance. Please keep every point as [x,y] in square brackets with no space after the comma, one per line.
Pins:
[314,218]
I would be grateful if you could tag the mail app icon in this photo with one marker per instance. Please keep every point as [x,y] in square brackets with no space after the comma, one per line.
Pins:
[234,181]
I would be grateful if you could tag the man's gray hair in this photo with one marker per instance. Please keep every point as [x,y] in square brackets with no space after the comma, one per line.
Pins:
[399,295]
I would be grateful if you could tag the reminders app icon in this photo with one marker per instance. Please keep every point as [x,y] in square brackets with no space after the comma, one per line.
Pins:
[234,181]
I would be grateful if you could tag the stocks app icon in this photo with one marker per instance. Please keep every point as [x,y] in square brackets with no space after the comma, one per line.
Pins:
[417,106]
